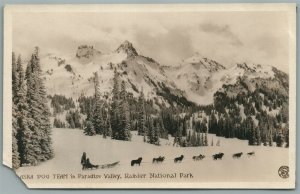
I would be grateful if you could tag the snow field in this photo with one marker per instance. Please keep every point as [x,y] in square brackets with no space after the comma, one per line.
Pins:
[69,144]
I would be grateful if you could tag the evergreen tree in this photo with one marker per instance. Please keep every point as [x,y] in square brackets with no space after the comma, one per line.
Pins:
[15,77]
[108,131]
[150,131]
[213,123]
[205,140]
[105,129]
[201,139]
[189,138]
[76,119]
[97,115]
[115,112]
[40,128]
[157,134]
[180,133]
[249,124]
[20,118]
[279,139]
[265,140]
[141,115]
[89,128]
[258,137]
[58,124]
[15,153]
[163,131]
[72,124]
[270,137]
[153,132]
[198,139]
[287,136]
[194,139]
[125,115]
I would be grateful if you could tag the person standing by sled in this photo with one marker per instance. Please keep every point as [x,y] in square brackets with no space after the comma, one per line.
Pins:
[83,160]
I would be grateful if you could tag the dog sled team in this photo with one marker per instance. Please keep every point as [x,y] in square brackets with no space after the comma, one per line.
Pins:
[179,159]
[86,164]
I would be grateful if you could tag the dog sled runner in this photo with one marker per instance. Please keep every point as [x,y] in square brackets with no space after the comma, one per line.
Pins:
[111,165]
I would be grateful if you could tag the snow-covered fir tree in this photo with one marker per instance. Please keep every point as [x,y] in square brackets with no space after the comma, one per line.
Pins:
[20,115]
[270,137]
[287,135]
[97,115]
[125,115]
[115,112]
[279,139]
[119,112]
[163,131]
[141,123]
[153,132]
[15,152]
[205,139]
[89,128]
[40,144]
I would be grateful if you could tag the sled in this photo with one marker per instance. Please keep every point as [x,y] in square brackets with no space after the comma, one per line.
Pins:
[109,165]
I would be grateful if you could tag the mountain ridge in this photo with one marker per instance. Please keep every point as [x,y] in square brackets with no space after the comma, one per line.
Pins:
[196,78]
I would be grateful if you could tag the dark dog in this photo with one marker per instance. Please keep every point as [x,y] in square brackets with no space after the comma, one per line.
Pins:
[160,159]
[218,156]
[138,161]
[237,155]
[178,159]
[251,154]
[200,157]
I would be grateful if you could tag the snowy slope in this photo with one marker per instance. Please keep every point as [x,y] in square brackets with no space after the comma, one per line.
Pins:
[138,72]
[259,168]
[196,79]
[201,77]
[195,76]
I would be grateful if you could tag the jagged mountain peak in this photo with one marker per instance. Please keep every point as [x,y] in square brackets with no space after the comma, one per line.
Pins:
[127,47]
[196,78]
[86,51]
[200,63]
[251,66]
[252,69]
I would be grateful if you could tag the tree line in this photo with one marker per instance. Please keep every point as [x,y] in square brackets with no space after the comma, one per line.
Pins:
[247,115]
[244,115]
[60,103]
[116,117]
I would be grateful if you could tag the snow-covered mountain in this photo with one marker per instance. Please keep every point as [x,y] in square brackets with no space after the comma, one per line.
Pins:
[200,78]
[71,75]
[194,80]
[196,76]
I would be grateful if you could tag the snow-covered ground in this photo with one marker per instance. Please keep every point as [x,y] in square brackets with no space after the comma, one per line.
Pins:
[69,144]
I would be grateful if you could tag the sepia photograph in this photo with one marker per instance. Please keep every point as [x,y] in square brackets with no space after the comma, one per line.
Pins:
[150,96]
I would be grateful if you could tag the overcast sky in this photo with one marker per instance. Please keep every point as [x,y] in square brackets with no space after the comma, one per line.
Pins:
[227,37]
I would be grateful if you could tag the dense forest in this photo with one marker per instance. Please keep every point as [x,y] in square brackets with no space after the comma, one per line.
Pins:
[253,109]
[31,136]
[259,115]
